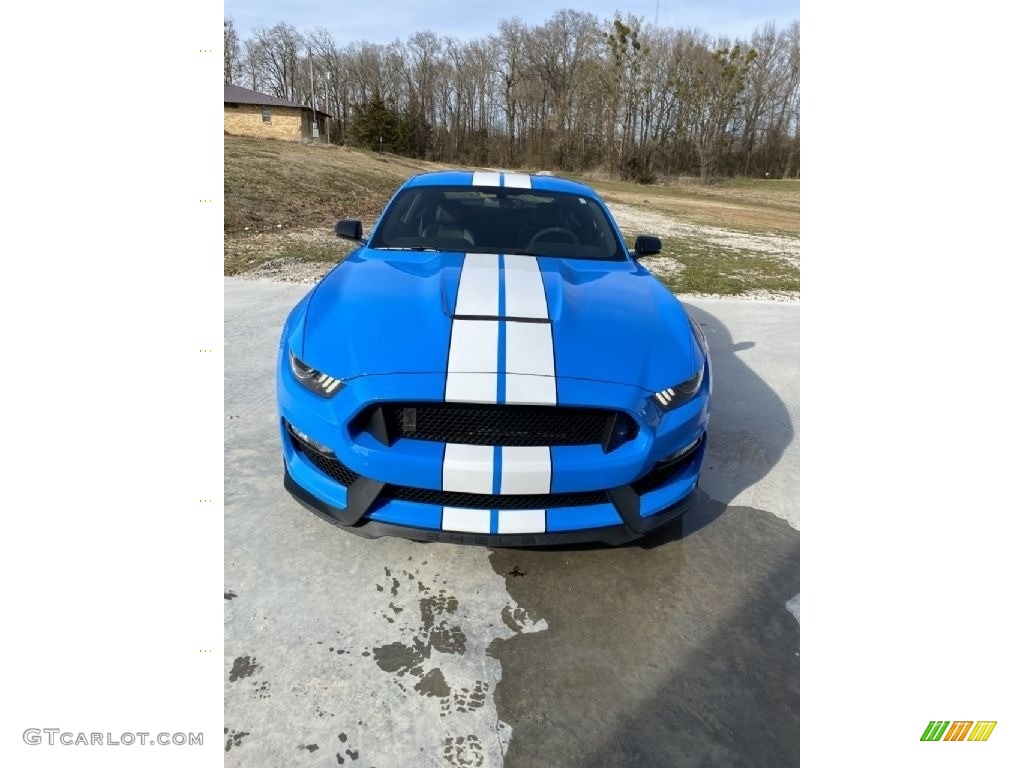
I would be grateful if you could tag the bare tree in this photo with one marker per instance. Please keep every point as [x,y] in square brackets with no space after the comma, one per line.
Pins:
[572,93]
[232,53]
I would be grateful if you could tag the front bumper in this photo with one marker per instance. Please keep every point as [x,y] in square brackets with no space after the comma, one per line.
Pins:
[634,527]
[373,489]
[373,508]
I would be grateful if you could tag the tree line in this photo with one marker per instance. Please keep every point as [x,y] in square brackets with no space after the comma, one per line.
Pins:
[572,94]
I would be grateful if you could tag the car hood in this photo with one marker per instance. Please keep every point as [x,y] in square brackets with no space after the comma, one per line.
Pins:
[385,312]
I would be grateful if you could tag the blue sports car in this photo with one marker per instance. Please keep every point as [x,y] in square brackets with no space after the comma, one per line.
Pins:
[493,366]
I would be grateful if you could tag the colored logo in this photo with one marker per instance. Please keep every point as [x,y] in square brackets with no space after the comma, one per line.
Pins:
[958,730]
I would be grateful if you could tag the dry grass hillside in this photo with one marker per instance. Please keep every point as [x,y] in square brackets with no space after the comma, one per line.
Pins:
[281,199]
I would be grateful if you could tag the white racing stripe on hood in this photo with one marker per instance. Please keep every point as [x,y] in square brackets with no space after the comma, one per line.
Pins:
[524,288]
[529,364]
[473,348]
[478,285]
[473,351]
[529,346]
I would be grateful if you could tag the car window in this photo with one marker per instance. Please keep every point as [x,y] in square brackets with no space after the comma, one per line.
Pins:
[498,220]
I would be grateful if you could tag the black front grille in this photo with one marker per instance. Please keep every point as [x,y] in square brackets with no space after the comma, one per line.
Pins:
[510,425]
[493,501]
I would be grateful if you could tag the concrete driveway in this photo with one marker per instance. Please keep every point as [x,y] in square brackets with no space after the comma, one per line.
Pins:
[678,651]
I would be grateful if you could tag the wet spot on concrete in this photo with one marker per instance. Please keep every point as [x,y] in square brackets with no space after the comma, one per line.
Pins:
[515,572]
[690,618]
[353,753]
[400,658]
[463,752]
[395,584]
[244,666]
[262,689]
[395,608]
[433,684]
[311,748]
[380,587]
[322,713]
[466,699]
[518,620]
[230,595]
[510,617]
[445,639]
[436,606]
[342,738]
[234,739]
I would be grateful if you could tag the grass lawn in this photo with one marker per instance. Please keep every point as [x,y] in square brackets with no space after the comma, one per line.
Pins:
[281,200]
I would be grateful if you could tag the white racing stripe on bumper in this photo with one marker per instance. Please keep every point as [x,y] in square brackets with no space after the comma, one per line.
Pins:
[473,362]
[478,285]
[522,521]
[467,520]
[525,470]
[486,179]
[468,468]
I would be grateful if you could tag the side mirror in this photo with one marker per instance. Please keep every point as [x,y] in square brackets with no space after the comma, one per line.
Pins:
[646,245]
[350,229]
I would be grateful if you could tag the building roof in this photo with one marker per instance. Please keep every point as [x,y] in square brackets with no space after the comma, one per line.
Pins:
[236,94]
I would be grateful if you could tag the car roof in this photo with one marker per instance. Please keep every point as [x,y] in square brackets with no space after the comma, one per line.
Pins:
[543,182]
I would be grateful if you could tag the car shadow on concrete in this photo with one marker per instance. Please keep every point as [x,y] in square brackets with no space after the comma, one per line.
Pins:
[679,656]
[749,431]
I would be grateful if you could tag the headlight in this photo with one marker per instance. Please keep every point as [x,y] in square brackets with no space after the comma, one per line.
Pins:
[675,396]
[312,379]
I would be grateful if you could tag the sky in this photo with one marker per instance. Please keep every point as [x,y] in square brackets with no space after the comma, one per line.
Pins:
[383,21]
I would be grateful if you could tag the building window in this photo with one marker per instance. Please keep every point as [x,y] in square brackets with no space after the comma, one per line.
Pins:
[266,114]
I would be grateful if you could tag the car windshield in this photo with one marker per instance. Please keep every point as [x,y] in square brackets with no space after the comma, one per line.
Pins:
[498,220]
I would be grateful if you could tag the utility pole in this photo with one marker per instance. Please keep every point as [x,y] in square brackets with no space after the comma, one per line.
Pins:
[312,85]
[315,131]
[327,104]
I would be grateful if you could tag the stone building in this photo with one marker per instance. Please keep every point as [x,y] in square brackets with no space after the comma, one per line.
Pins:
[250,113]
